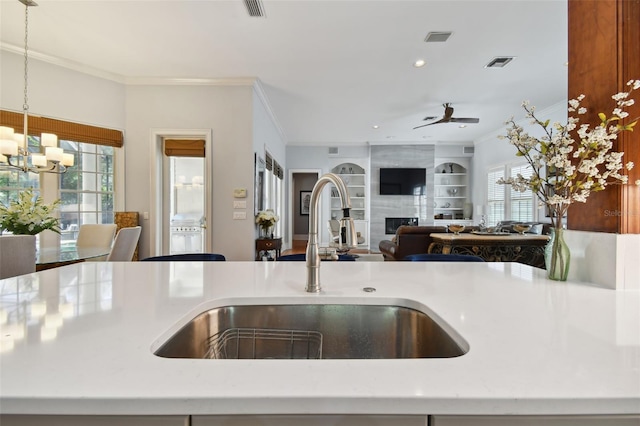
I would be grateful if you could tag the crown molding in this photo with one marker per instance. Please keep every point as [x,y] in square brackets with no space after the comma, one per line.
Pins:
[188,81]
[72,65]
[139,81]
[259,91]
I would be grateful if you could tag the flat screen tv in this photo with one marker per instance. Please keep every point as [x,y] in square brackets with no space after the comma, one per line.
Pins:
[402,181]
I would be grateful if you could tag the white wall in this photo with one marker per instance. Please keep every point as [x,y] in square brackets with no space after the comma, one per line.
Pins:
[60,93]
[225,110]
[266,134]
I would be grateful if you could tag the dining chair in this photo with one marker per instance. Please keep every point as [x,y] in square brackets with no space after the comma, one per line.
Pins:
[186,257]
[96,235]
[439,257]
[124,245]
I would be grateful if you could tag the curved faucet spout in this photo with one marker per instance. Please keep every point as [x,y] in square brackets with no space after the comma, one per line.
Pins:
[313,257]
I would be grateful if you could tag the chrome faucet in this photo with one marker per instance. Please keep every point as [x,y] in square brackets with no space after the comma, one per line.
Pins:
[347,229]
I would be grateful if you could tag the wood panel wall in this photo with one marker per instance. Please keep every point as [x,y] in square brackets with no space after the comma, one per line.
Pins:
[604,53]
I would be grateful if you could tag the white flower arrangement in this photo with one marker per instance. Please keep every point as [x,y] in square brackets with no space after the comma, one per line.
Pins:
[266,219]
[565,170]
[28,215]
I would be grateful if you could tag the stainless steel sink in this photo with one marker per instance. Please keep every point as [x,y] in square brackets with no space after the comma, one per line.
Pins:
[327,331]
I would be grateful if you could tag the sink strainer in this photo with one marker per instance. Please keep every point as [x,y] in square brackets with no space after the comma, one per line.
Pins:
[262,343]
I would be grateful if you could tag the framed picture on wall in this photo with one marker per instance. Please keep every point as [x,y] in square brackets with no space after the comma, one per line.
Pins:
[305,201]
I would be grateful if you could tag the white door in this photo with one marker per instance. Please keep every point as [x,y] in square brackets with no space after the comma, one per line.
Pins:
[184,195]
[185,203]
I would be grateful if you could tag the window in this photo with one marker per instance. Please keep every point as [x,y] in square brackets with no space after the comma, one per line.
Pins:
[87,189]
[495,197]
[273,197]
[503,203]
[521,202]
[12,181]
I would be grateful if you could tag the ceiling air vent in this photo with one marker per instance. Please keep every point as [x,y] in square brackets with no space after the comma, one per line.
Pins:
[499,62]
[468,149]
[437,36]
[333,151]
[254,7]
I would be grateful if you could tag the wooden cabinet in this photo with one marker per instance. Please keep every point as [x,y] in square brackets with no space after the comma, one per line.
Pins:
[266,245]
[451,192]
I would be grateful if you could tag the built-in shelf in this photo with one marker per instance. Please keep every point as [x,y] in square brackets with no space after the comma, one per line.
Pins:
[450,197]
[355,179]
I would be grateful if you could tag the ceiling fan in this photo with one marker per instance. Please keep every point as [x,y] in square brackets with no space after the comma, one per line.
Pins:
[448,118]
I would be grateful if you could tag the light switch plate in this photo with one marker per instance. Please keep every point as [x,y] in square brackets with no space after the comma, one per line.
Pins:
[240,193]
[239,215]
[239,204]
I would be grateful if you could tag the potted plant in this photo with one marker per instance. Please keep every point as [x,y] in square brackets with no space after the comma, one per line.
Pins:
[28,215]
[566,170]
[266,219]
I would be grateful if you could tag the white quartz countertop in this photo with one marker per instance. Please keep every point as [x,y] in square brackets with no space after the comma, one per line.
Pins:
[80,340]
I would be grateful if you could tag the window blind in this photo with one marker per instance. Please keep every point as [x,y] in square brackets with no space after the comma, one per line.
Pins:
[522,202]
[184,148]
[495,196]
[278,170]
[65,130]
[268,161]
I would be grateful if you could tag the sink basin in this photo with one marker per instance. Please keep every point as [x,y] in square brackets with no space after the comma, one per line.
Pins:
[313,331]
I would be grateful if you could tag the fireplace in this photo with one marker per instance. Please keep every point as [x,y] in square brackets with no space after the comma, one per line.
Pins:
[391,224]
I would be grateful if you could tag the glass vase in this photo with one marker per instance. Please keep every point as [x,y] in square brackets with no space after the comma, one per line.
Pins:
[557,256]
[265,232]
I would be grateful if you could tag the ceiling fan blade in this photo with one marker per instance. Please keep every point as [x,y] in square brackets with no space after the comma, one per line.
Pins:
[429,118]
[464,120]
[430,124]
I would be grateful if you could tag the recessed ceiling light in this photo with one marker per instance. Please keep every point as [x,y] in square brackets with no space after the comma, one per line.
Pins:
[391,137]
[462,126]
[375,126]
[419,63]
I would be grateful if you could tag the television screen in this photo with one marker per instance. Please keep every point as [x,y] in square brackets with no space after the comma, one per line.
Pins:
[401,181]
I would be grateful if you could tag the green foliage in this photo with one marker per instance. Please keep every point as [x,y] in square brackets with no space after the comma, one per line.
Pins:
[28,215]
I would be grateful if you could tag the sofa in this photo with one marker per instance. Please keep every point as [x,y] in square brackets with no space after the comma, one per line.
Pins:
[408,240]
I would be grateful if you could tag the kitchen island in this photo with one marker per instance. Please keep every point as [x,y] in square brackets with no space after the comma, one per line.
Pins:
[79,340]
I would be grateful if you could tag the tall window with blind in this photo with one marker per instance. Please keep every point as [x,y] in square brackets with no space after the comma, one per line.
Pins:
[273,183]
[522,203]
[503,203]
[86,189]
[496,200]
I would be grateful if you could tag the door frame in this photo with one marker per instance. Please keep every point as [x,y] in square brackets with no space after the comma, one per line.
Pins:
[291,197]
[157,196]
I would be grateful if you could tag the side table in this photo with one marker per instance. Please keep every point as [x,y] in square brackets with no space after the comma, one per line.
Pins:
[268,244]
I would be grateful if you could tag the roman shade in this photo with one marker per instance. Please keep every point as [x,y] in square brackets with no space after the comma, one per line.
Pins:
[184,147]
[65,130]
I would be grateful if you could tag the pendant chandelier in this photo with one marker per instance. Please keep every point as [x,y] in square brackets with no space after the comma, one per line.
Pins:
[14,147]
